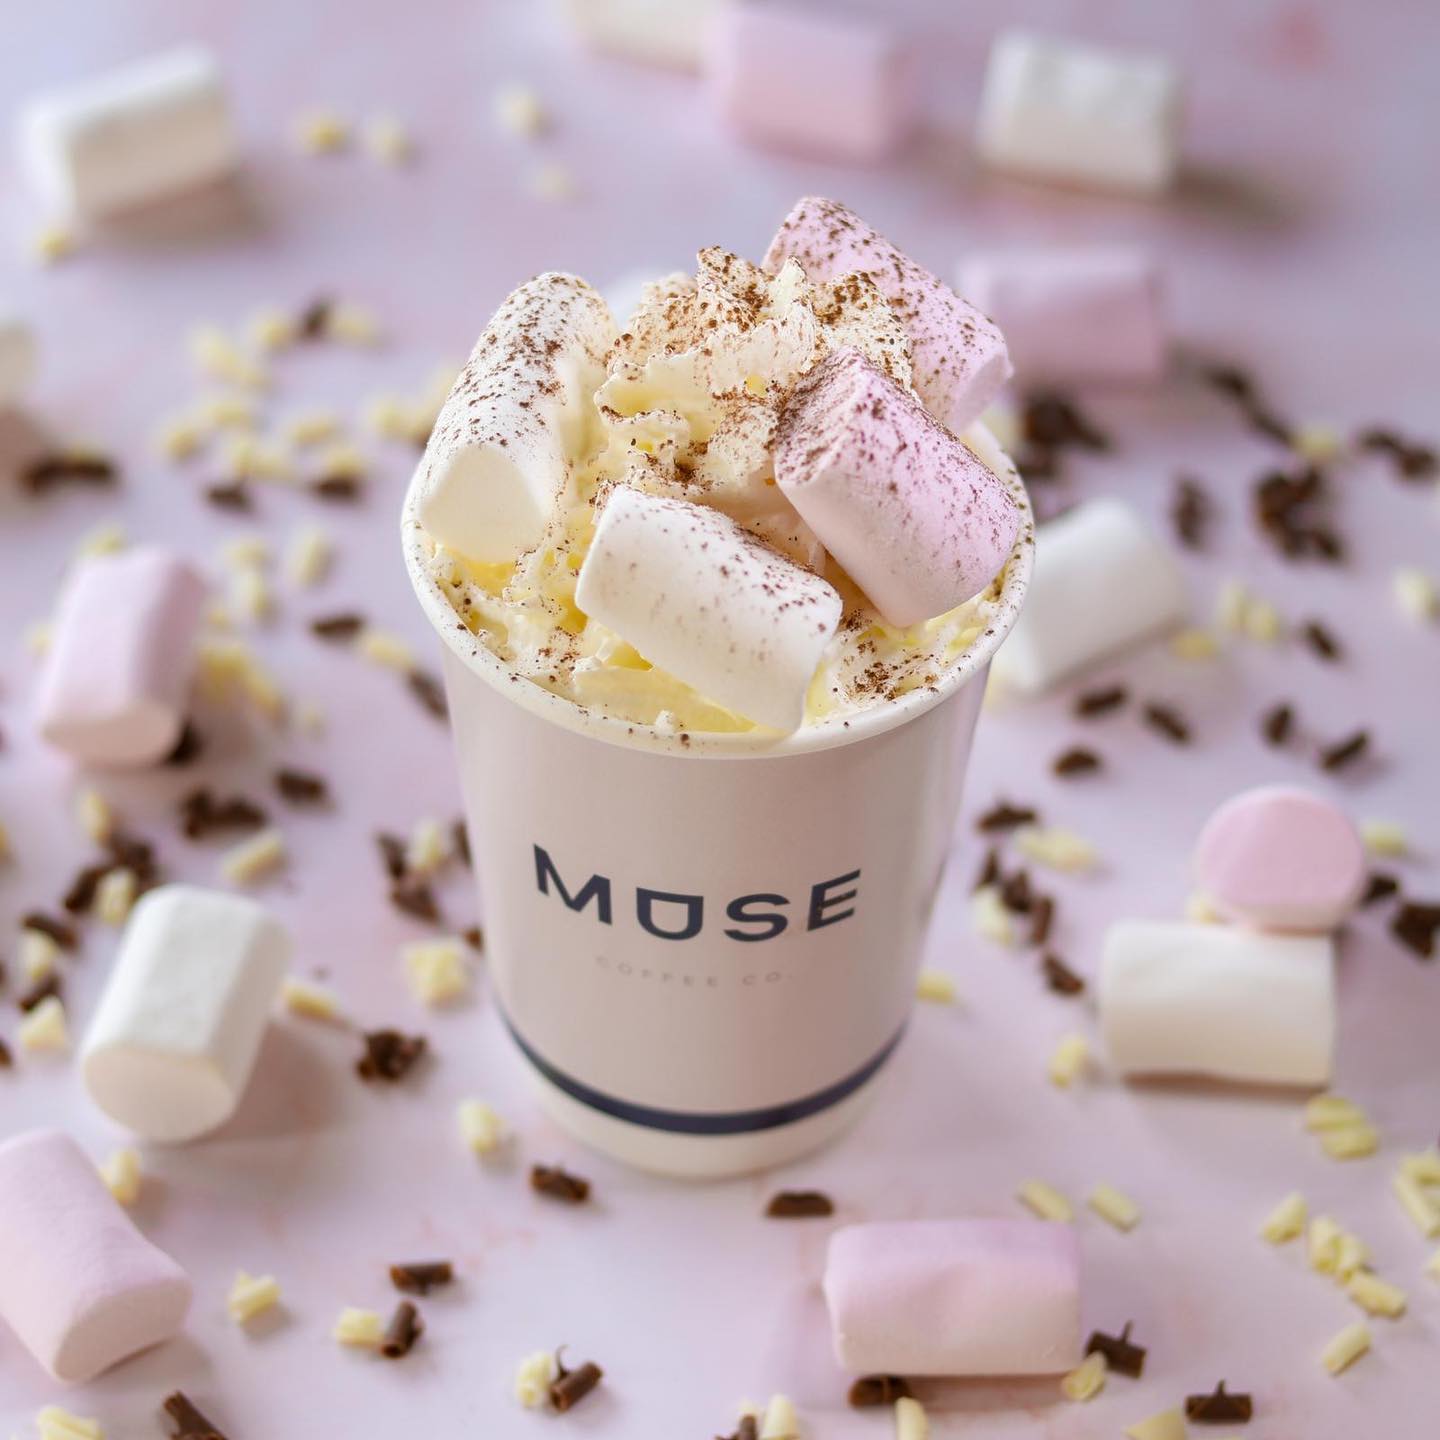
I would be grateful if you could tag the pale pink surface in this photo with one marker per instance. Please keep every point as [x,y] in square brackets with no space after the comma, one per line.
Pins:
[958,356]
[1282,858]
[955,1297]
[1286,248]
[118,672]
[813,81]
[77,1280]
[918,522]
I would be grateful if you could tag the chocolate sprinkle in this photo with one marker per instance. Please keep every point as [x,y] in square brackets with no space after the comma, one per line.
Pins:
[1219,1407]
[301,788]
[1078,761]
[1276,724]
[189,1423]
[572,1386]
[1415,925]
[63,934]
[1059,976]
[799,1205]
[1320,640]
[1005,816]
[1380,887]
[559,1184]
[1121,1353]
[1091,703]
[404,1329]
[1346,751]
[429,691]
[1168,722]
[389,1055]
[419,1277]
[344,626]
[871,1390]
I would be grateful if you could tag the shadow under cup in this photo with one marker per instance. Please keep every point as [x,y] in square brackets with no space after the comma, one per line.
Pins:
[705,948]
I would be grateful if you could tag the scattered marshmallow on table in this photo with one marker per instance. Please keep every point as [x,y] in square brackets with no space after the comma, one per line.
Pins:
[17,358]
[149,130]
[517,416]
[918,522]
[1071,316]
[707,602]
[1054,109]
[804,78]
[79,1285]
[1281,858]
[117,679]
[1102,582]
[658,32]
[1178,999]
[174,1040]
[959,357]
[955,1297]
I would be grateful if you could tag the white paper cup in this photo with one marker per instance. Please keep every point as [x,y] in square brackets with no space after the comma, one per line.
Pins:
[705,947]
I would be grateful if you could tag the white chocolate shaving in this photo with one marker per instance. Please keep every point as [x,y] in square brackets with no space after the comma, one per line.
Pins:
[121,1174]
[94,815]
[115,895]
[936,986]
[44,1028]
[252,860]
[321,132]
[1416,595]
[1333,1112]
[533,1378]
[911,1421]
[1195,643]
[1350,1142]
[308,557]
[1056,849]
[780,1421]
[359,1327]
[989,918]
[480,1127]
[1045,1201]
[1384,838]
[1115,1206]
[250,1295]
[382,648]
[1167,1425]
[1087,1379]
[1376,1296]
[1346,1348]
[53,1423]
[437,970]
[1422,1209]
[1323,1244]
[1287,1220]
[1069,1060]
[38,954]
[304,997]
[428,848]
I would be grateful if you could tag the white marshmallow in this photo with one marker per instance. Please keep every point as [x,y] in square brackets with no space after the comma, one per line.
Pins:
[1073,315]
[1215,1000]
[149,130]
[657,32]
[17,357]
[1056,110]
[518,416]
[1102,582]
[117,679]
[704,600]
[180,1023]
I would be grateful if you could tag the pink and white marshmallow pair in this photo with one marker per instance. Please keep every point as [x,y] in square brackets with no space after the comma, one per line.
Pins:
[955,1297]
[117,680]
[79,1285]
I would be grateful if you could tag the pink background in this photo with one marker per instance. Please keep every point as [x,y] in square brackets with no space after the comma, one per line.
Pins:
[1302,241]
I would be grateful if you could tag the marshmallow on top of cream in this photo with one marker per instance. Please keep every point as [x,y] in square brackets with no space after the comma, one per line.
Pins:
[690,403]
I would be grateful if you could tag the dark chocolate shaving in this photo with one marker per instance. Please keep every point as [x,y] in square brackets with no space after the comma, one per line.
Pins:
[1121,1353]
[301,788]
[1190,512]
[1290,511]
[404,1329]
[1091,703]
[188,747]
[799,1205]
[1220,1407]
[460,842]
[1059,976]
[314,319]
[203,814]
[1276,724]
[1415,925]
[6,1059]
[870,1390]
[559,1184]
[189,1423]
[1004,816]
[1042,919]
[1051,421]
[233,495]
[1345,752]
[41,991]
[389,1055]
[1015,893]
[343,489]
[1168,722]
[1379,887]
[1320,640]
[989,872]
[392,854]
[429,690]
[1411,461]
[747,1429]
[51,471]
[63,934]
[420,1277]
[337,627]
[1077,761]
[412,895]
[78,899]
[474,937]
[572,1386]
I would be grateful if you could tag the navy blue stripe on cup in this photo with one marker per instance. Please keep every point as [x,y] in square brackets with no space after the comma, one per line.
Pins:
[687,1122]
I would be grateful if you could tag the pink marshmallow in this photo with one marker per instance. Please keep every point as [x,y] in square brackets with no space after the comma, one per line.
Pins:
[959,356]
[1073,315]
[118,677]
[79,1284]
[918,521]
[1280,858]
[955,1297]
[839,86]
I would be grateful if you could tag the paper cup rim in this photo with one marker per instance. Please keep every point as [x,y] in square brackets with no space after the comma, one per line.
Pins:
[476,658]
